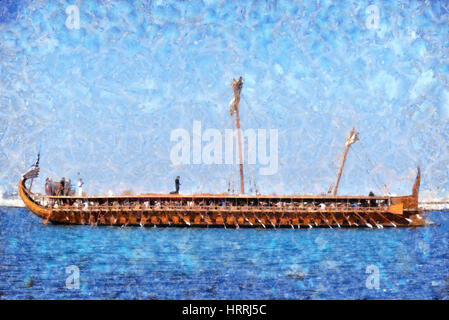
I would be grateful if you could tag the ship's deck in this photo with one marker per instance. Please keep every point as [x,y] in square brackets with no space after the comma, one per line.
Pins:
[156,196]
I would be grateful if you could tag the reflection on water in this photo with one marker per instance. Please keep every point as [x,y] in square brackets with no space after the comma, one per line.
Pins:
[169,263]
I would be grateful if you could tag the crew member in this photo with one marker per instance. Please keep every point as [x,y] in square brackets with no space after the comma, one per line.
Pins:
[372,202]
[48,187]
[80,187]
[61,186]
[68,187]
[177,184]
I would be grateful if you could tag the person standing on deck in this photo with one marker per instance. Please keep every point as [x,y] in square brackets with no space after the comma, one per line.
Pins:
[47,187]
[80,187]
[68,187]
[177,184]
[372,202]
[51,187]
[61,187]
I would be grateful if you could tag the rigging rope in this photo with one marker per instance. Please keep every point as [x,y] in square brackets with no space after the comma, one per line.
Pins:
[251,109]
[367,171]
[372,164]
[378,186]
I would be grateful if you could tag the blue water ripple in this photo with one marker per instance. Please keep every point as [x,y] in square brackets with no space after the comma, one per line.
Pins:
[168,263]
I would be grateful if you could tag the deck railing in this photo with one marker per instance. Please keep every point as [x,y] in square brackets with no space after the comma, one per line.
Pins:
[137,209]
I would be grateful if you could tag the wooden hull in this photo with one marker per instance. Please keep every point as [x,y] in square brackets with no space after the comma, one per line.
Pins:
[227,211]
[238,220]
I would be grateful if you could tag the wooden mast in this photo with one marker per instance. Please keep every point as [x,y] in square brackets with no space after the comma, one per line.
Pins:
[351,139]
[234,107]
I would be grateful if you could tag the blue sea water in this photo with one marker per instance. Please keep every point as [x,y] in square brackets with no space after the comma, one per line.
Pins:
[169,263]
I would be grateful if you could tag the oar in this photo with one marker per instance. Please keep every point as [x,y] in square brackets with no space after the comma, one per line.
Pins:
[91,223]
[142,220]
[204,219]
[335,220]
[379,226]
[304,221]
[258,220]
[299,224]
[314,221]
[247,220]
[375,223]
[347,219]
[235,222]
[392,223]
[270,221]
[325,220]
[366,222]
[168,220]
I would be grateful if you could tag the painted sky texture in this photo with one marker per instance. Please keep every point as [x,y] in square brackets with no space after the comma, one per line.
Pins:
[102,99]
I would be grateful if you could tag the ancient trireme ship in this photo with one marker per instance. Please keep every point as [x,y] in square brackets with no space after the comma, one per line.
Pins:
[229,210]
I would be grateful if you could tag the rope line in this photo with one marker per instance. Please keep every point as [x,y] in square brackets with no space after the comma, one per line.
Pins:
[367,171]
[372,164]
[252,111]
[377,182]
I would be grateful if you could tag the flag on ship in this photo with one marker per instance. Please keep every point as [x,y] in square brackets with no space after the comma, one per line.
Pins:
[36,164]
[34,173]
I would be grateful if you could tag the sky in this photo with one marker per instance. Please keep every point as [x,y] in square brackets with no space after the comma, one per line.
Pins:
[98,87]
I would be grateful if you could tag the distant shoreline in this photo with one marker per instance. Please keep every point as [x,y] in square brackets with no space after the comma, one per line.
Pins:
[434,205]
[12,203]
